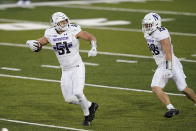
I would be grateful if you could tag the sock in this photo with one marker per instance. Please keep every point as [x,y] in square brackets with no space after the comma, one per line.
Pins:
[195,104]
[84,103]
[170,106]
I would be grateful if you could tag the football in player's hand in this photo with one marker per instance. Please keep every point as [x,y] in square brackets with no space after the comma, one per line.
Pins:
[38,45]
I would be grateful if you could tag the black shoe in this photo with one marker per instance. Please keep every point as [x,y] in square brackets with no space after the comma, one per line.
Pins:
[92,110]
[171,112]
[86,121]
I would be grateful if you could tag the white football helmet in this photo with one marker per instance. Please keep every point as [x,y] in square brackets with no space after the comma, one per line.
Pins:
[56,18]
[151,22]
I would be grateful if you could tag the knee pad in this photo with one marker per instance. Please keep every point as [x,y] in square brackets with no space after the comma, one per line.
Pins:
[79,95]
[72,100]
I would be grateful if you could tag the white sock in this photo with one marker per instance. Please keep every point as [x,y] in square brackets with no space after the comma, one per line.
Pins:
[170,106]
[85,104]
[195,104]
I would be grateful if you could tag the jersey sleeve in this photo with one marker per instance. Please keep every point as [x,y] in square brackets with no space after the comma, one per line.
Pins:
[75,29]
[47,34]
[162,33]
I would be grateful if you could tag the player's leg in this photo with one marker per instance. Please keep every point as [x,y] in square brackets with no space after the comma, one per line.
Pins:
[164,98]
[180,79]
[190,94]
[158,83]
[67,88]
[88,107]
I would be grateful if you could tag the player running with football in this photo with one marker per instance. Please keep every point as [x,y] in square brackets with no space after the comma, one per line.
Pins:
[63,38]
[159,42]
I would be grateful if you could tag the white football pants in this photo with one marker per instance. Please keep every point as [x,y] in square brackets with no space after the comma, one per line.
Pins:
[72,85]
[178,75]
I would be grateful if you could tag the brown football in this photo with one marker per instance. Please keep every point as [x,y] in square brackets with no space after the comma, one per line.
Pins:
[39,46]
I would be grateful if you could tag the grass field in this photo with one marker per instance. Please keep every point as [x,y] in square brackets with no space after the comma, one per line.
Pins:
[40,103]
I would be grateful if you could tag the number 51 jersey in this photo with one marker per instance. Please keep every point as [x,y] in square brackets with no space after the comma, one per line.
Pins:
[154,44]
[65,45]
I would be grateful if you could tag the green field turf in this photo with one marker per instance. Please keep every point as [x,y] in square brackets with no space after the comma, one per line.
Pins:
[42,102]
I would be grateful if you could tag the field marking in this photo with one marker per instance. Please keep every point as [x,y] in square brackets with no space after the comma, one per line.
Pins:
[99,28]
[99,52]
[193,55]
[11,69]
[51,66]
[90,64]
[91,85]
[58,67]
[42,125]
[128,10]
[70,4]
[126,61]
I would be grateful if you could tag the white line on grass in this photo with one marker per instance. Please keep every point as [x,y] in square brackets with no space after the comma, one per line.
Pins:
[193,54]
[57,67]
[99,52]
[126,61]
[11,69]
[101,28]
[128,10]
[91,64]
[42,125]
[51,66]
[91,85]
[68,3]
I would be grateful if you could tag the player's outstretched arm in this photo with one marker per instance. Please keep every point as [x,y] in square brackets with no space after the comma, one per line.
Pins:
[89,37]
[36,45]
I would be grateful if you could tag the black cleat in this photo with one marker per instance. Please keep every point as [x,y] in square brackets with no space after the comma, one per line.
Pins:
[171,112]
[92,110]
[86,121]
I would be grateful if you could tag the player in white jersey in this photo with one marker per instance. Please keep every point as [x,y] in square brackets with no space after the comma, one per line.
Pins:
[63,37]
[159,42]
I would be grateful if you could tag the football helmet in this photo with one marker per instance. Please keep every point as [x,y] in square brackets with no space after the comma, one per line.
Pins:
[58,21]
[151,22]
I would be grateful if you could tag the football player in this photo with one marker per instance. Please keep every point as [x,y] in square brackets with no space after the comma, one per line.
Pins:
[169,66]
[64,39]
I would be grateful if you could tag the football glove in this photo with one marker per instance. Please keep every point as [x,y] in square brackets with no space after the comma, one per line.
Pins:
[34,45]
[92,52]
[167,74]
[168,71]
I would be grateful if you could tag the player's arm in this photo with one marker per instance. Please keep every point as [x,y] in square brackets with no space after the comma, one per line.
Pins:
[89,37]
[36,45]
[43,41]
[85,36]
[166,46]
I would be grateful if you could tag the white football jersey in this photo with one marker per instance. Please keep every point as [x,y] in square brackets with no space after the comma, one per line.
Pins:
[65,45]
[154,44]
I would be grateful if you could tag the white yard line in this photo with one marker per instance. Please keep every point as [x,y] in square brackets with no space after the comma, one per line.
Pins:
[51,66]
[193,55]
[71,4]
[11,69]
[100,28]
[58,67]
[91,64]
[127,10]
[42,125]
[126,61]
[99,52]
[91,85]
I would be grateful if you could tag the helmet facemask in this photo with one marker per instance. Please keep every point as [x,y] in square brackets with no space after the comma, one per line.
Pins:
[60,21]
[151,22]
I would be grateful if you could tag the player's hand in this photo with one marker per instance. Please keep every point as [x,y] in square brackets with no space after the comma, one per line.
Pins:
[34,45]
[167,74]
[92,52]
